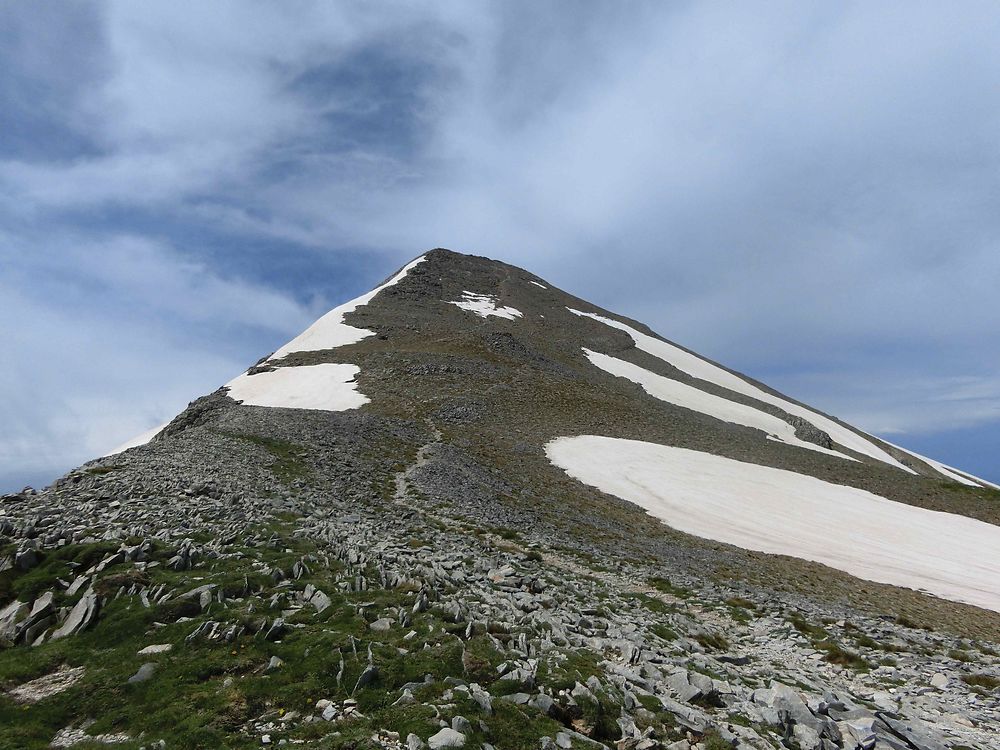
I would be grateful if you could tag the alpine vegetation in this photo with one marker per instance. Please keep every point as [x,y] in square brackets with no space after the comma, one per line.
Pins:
[468,509]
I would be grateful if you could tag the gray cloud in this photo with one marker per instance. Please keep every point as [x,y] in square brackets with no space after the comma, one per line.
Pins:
[806,193]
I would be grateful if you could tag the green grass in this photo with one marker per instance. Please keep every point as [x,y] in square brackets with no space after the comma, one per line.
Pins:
[984,493]
[664,631]
[807,628]
[288,465]
[26,586]
[834,653]
[712,741]
[651,603]
[712,641]
[989,682]
[577,666]
[664,584]
[203,693]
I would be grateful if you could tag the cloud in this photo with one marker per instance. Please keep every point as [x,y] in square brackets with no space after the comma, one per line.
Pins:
[105,342]
[801,192]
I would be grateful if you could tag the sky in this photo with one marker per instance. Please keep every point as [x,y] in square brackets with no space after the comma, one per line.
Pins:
[806,192]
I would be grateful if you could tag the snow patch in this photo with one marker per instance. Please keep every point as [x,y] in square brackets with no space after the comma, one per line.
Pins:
[703,370]
[680,394]
[485,305]
[330,331]
[781,512]
[951,472]
[540,286]
[327,387]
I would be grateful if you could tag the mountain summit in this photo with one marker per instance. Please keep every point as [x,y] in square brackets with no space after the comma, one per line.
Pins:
[468,509]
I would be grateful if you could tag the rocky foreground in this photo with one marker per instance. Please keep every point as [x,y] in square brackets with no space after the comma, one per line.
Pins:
[208,616]
[406,568]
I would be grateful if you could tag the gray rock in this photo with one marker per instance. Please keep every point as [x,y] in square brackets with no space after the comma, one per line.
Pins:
[516,698]
[789,703]
[940,681]
[367,677]
[543,703]
[26,559]
[80,617]
[276,631]
[447,737]
[274,663]
[320,601]
[860,732]
[682,687]
[146,672]
[806,737]
[10,618]
[78,583]
[914,732]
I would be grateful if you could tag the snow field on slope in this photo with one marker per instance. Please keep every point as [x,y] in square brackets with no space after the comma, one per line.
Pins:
[330,331]
[327,387]
[704,370]
[680,394]
[949,471]
[485,305]
[781,512]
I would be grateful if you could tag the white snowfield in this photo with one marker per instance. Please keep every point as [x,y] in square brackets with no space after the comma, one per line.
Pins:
[780,512]
[541,286]
[331,331]
[328,387]
[680,394]
[702,369]
[485,305]
[949,471]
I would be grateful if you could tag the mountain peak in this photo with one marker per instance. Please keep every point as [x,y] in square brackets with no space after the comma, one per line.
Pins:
[469,494]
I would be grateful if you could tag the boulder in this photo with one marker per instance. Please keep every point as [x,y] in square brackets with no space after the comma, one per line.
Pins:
[145,673]
[80,617]
[447,737]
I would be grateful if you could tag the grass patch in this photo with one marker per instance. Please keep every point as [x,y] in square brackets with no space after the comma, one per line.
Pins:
[663,631]
[664,584]
[807,628]
[288,465]
[834,653]
[712,641]
[986,681]
[54,564]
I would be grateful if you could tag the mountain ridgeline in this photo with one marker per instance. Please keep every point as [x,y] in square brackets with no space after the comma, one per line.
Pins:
[468,509]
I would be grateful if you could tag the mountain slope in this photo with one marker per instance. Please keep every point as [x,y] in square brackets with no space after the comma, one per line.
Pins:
[450,476]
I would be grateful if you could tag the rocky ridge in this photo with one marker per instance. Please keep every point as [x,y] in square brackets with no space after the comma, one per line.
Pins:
[373,580]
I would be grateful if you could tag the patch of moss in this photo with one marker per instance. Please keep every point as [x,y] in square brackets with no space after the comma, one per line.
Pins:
[667,587]
[712,641]
[989,682]
[834,653]
[289,464]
